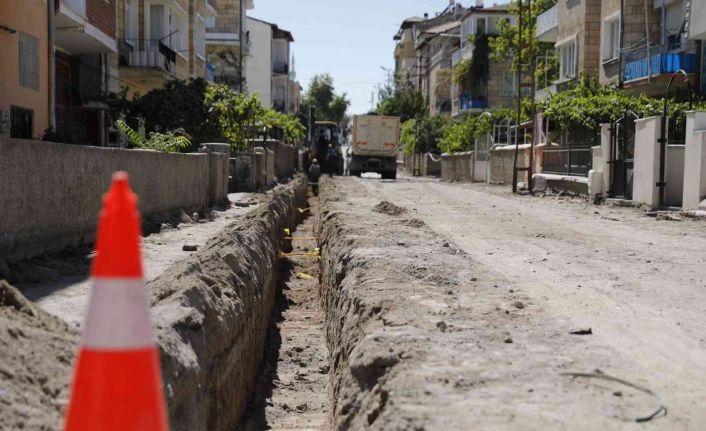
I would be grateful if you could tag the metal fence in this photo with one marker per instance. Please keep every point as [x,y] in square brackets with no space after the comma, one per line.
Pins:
[574,160]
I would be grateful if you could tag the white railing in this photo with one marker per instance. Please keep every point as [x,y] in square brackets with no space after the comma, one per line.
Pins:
[79,6]
[547,21]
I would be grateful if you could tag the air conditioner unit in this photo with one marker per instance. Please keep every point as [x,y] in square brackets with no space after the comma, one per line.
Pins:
[5,124]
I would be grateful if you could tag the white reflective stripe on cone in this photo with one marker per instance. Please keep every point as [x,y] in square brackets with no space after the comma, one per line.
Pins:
[118,317]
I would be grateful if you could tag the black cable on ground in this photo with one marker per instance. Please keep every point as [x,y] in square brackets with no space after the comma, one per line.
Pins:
[662,407]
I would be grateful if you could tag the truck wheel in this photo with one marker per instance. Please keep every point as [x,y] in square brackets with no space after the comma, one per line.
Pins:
[391,175]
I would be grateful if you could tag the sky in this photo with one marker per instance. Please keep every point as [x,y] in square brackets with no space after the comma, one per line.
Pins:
[351,40]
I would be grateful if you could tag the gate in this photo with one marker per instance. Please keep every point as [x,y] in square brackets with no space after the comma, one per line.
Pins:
[622,156]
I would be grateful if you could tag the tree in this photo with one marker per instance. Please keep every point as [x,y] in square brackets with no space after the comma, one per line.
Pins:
[179,105]
[404,103]
[321,96]
[505,44]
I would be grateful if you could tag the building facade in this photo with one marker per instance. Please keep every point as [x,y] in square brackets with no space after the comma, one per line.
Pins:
[25,106]
[631,44]
[226,49]
[269,70]
[495,91]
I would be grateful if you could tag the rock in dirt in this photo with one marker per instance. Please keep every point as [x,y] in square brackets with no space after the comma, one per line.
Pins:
[588,331]
[190,247]
[389,208]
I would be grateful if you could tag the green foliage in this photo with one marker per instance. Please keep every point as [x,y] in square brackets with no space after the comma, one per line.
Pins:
[286,127]
[423,135]
[236,113]
[169,142]
[404,103]
[460,135]
[589,104]
[321,96]
[204,111]
[179,105]
[504,46]
[462,71]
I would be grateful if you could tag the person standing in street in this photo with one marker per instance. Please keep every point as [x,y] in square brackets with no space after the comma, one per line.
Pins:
[314,174]
[330,160]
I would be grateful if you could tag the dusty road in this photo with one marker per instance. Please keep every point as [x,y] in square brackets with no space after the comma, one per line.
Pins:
[636,282]
[67,296]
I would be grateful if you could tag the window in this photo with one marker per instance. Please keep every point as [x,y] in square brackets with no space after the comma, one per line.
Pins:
[200,36]
[611,39]
[480,26]
[131,18]
[567,54]
[29,61]
[21,123]
[509,80]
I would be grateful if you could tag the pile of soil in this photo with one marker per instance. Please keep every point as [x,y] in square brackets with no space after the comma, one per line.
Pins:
[389,208]
[36,358]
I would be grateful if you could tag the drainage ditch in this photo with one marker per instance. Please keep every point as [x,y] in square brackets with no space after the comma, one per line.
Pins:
[292,391]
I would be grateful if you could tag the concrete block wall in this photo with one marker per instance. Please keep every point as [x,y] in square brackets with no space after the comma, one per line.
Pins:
[502,161]
[52,192]
[458,167]
[426,165]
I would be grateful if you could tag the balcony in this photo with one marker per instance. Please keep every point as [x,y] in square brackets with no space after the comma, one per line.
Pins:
[79,6]
[280,68]
[639,66]
[151,54]
[547,25]
[468,102]
[75,34]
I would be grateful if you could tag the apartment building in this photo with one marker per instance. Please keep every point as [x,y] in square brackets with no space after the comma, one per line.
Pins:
[632,44]
[405,54]
[162,40]
[435,39]
[574,27]
[497,90]
[86,38]
[25,108]
[226,50]
[268,70]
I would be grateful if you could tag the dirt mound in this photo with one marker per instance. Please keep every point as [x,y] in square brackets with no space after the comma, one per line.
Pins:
[389,208]
[414,223]
[36,358]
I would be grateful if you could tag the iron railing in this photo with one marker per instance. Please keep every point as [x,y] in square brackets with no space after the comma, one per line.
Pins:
[574,160]
[148,53]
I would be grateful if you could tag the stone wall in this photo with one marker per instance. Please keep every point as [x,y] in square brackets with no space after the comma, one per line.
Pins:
[52,192]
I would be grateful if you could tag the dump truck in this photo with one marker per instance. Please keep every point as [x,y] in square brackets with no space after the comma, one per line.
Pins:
[375,144]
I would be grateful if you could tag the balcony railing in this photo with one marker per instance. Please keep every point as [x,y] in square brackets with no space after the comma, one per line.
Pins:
[148,53]
[280,68]
[469,102]
[638,65]
[547,24]
[79,6]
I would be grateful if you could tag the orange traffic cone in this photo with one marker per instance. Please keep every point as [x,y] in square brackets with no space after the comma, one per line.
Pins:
[118,382]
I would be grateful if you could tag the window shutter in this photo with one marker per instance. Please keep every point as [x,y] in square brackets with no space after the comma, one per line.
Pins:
[29,61]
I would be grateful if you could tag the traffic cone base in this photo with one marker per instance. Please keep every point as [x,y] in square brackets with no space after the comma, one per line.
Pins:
[129,379]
